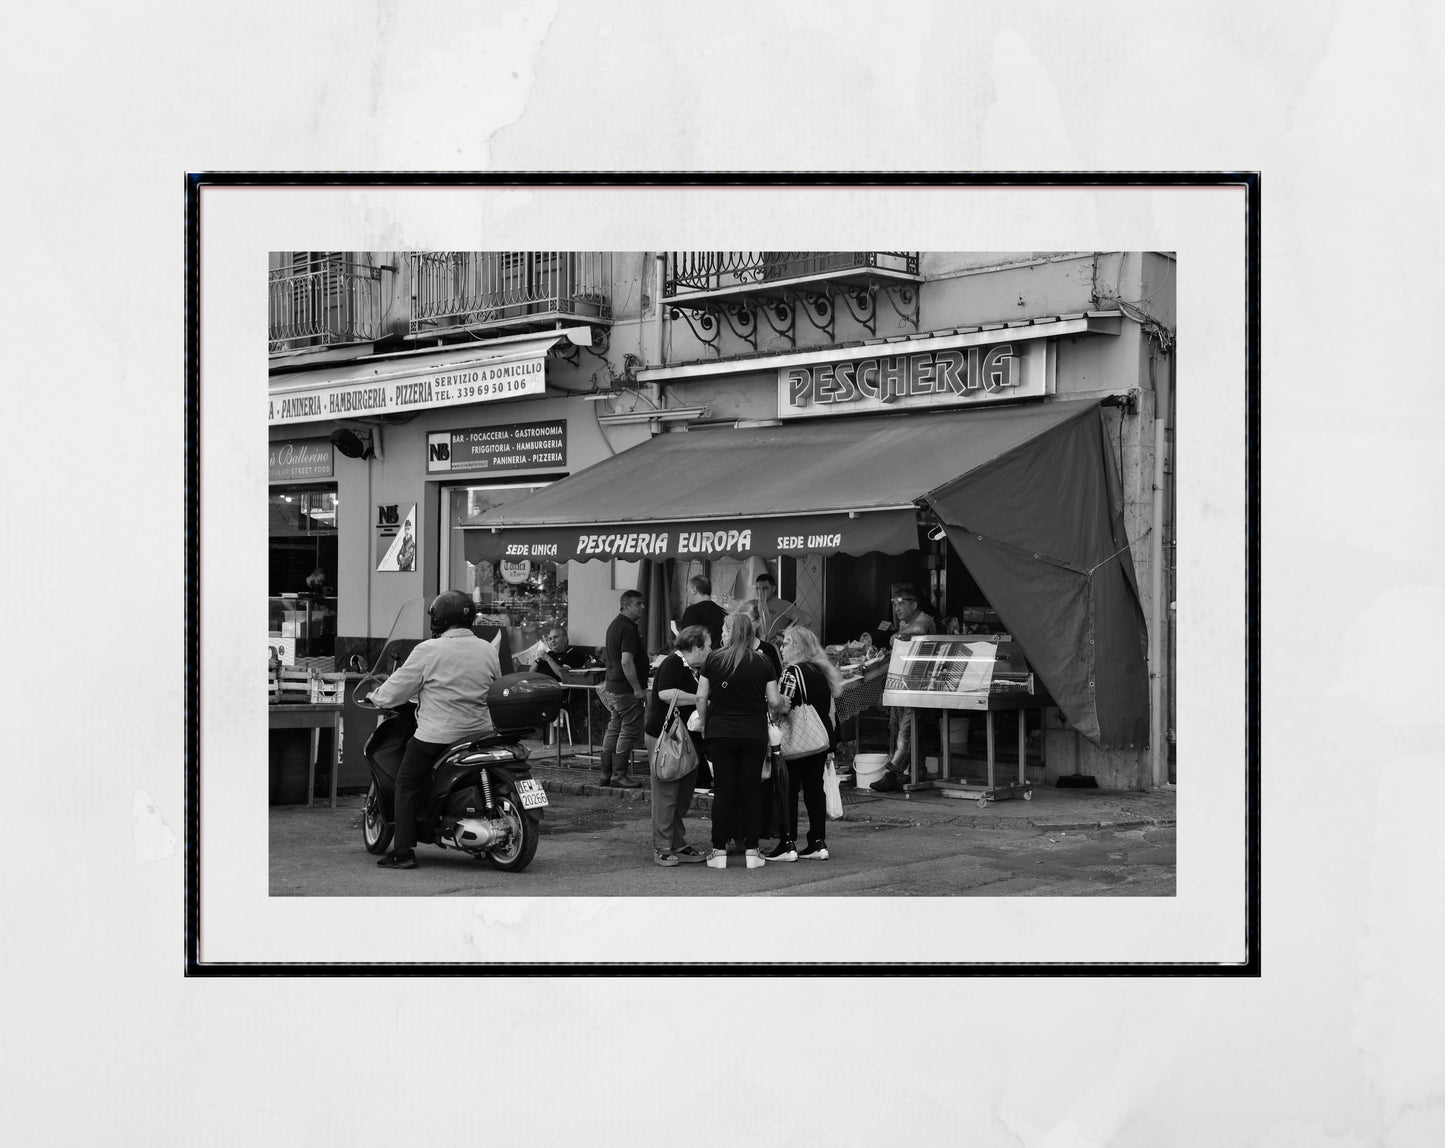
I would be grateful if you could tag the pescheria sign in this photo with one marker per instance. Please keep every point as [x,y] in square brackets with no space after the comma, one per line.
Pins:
[925,379]
[890,532]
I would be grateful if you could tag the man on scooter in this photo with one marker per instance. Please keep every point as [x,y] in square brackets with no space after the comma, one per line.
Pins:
[449,676]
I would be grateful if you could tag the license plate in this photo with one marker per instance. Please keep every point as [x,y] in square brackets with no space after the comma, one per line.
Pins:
[533,795]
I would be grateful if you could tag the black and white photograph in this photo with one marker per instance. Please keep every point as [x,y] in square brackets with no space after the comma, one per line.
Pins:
[837,579]
[849,449]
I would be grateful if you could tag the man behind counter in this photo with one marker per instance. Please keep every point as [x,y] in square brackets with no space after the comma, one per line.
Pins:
[702,610]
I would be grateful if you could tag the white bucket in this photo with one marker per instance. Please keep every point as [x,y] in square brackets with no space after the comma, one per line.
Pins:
[868,768]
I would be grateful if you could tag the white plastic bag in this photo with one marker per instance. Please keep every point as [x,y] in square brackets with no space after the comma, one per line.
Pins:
[832,794]
[694,722]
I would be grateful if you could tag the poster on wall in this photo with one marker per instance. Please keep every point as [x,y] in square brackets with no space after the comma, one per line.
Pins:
[396,537]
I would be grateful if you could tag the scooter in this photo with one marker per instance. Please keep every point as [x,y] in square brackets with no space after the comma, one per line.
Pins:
[482,798]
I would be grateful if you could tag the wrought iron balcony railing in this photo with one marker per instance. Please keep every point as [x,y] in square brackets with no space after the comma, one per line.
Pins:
[466,289]
[727,272]
[326,302]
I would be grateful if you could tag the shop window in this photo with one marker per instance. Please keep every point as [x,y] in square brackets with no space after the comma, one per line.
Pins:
[301,578]
[523,598]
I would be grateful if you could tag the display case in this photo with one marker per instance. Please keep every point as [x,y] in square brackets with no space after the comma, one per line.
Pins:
[302,626]
[956,671]
[963,672]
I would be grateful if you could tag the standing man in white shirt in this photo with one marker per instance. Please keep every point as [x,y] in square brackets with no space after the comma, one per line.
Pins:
[449,676]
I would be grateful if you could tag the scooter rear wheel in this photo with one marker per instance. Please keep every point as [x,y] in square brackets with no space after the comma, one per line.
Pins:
[376,830]
[521,845]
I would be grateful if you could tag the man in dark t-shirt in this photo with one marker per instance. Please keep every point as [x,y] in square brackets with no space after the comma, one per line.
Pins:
[624,692]
[702,610]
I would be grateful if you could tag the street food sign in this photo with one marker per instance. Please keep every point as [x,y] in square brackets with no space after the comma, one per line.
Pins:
[878,382]
[503,448]
[300,460]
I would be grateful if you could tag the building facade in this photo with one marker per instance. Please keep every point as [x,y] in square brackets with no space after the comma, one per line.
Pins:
[414,397]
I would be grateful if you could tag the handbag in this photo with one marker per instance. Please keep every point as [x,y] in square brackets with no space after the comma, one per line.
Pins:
[675,756]
[832,792]
[803,731]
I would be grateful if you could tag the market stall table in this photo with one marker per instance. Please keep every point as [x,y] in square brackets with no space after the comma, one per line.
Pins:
[314,717]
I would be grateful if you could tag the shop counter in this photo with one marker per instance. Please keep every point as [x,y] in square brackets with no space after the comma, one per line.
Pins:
[315,718]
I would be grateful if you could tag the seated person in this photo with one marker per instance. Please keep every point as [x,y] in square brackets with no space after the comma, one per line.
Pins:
[556,658]
[559,655]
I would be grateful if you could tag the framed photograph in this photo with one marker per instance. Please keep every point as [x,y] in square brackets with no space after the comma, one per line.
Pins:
[985,417]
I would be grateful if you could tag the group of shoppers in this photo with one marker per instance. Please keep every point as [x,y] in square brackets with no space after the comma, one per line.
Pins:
[734,687]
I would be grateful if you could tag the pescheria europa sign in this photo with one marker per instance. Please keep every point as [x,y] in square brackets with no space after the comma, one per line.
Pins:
[890,532]
[882,382]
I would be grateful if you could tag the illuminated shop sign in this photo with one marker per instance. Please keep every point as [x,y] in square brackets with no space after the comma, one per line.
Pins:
[882,382]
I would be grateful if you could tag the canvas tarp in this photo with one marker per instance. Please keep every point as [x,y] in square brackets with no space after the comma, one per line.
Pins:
[1041,529]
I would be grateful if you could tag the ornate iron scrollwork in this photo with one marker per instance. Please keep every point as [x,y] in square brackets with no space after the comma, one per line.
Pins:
[705,321]
[784,314]
[741,321]
[810,305]
[862,304]
[907,294]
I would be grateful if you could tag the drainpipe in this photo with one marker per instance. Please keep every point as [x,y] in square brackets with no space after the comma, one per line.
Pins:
[659,277]
[1156,588]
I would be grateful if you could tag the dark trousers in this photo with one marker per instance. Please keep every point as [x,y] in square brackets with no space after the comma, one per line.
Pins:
[411,782]
[806,774]
[737,798]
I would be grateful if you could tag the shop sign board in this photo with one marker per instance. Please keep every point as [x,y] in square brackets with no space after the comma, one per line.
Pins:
[877,382]
[502,377]
[504,448]
[301,460]
[890,532]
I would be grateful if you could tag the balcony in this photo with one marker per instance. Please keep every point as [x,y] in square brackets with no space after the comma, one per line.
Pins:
[455,291]
[751,291]
[325,303]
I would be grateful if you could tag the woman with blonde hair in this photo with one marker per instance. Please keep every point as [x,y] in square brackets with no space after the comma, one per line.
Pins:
[809,679]
[736,689]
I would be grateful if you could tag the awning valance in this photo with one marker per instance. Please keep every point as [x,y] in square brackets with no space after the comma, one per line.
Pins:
[849,486]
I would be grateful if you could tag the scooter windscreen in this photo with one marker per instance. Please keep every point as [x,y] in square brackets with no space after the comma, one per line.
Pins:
[410,623]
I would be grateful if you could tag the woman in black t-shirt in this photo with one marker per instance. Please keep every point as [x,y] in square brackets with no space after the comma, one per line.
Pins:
[676,680]
[737,688]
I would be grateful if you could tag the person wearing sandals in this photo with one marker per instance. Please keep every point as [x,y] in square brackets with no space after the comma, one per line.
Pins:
[676,680]
[735,692]
[810,678]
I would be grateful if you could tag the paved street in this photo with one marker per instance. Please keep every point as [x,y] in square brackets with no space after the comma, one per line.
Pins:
[596,844]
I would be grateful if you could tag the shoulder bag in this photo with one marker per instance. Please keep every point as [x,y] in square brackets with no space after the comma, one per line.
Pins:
[675,756]
[803,731]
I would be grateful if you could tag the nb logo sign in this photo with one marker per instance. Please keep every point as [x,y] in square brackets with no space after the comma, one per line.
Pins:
[388,515]
[441,452]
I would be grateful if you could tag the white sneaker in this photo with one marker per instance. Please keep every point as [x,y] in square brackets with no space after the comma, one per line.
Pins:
[717,859]
[814,853]
[754,859]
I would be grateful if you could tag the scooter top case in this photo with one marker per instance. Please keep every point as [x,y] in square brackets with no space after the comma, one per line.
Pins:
[521,703]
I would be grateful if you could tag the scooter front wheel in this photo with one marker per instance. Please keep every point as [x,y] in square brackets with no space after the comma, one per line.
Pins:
[376,830]
[521,844]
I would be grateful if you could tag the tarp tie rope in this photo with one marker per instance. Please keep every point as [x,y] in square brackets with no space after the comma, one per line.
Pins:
[1090,571]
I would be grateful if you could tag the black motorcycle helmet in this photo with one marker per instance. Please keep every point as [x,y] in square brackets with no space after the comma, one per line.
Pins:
[449,609]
